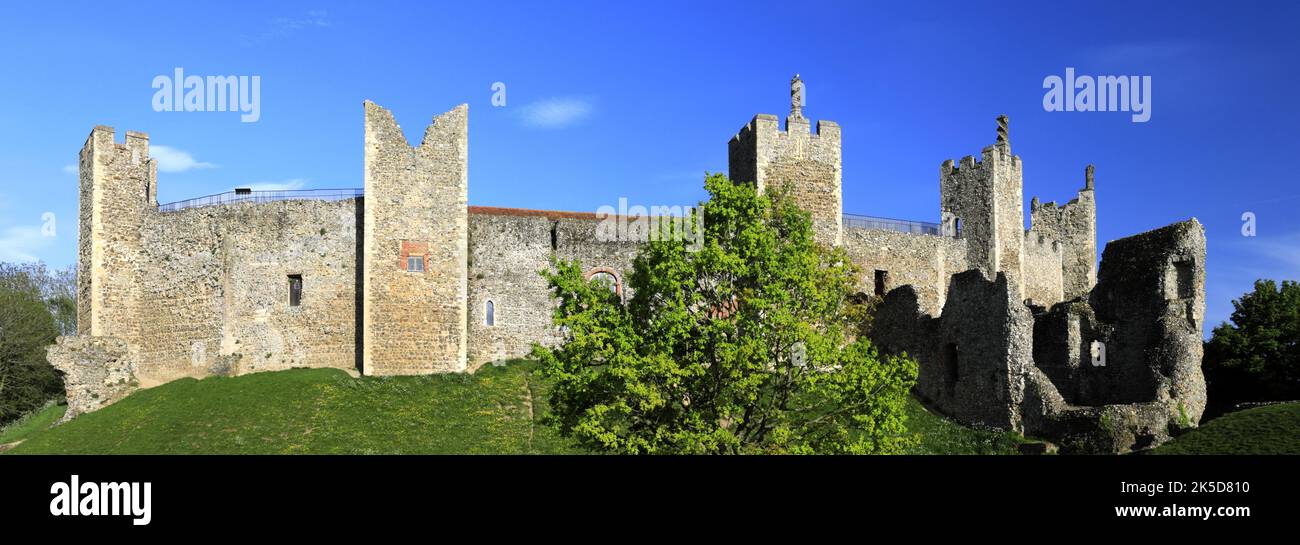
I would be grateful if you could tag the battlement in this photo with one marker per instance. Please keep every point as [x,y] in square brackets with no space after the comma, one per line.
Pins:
[807,164]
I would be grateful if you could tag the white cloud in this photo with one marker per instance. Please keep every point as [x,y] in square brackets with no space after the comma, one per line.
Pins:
[287,185]
[284,26]
[20,243]
[70,169]
[555,113]
[173,160]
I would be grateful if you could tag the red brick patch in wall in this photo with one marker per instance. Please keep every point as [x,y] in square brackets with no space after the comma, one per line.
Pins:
[413,248]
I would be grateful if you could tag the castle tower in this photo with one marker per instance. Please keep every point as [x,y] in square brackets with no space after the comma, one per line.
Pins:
[1074,224]
[983,202]
[806,164]
[118,187]
[415,245]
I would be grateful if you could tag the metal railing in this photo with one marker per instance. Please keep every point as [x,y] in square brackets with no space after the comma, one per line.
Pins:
[243,195]
[890,224]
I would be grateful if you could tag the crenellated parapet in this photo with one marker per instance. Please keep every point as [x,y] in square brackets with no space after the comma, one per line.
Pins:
[806,164]
[982,201]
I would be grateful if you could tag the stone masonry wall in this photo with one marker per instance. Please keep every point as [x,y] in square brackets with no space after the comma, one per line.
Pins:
[97,371]
[924,262]
[216,290]
[1044,285]
[416,198]
[507,249]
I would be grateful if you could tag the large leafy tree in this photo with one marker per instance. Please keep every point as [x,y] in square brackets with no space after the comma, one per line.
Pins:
[747,345]
[1257,356]
[28,309]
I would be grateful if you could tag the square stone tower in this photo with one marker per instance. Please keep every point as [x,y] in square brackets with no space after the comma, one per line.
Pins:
[415,245]
[119,187]
[808,165]
[983,202]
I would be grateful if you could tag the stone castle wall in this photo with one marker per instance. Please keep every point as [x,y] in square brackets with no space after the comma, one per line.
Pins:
[924,262]
[215,299]
[507,248]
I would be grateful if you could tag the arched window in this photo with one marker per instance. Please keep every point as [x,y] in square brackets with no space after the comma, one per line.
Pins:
[490,313]
[606,277]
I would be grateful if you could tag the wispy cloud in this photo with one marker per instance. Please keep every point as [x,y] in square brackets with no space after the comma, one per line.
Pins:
[69,169]
[20,243]
[173,160]
[286,185]
[284,26]
[555,113]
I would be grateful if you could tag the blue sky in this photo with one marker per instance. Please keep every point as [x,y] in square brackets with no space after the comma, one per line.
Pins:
[612,99]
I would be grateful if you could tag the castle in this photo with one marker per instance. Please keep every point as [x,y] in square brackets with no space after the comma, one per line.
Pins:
[1013,328]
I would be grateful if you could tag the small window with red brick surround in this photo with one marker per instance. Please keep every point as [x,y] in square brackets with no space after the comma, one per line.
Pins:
[414,256]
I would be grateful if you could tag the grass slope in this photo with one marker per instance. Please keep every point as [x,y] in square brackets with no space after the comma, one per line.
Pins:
[942,436]
[34,422]
[1273,429]
[326,411]
[321,411]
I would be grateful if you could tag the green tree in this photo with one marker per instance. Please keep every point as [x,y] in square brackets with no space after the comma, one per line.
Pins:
[1257,356]
[27,327]
[744,346]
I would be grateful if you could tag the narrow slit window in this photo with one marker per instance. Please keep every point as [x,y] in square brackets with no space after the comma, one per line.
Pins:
[490,313]
[882,282]
[295,290]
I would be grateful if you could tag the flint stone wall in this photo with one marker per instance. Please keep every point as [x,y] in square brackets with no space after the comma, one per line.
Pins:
[97,371]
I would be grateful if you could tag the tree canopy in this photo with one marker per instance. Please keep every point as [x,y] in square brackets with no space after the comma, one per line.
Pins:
[747,345]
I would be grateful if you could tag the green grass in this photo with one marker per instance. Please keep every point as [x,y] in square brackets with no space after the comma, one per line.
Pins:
[942,436]
[319,411]
[326,411]
[29,424]
[1272,429]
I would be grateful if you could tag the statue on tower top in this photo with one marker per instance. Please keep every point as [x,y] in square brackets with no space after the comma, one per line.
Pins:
[796,97]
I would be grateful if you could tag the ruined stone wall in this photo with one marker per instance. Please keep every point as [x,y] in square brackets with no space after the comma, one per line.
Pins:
[807,165]
[507,249]
[215,299]
[1074,225]
[1151,289]
[923,261]
[97,371]
[117,187]
[416,198]
[973,358]
[1043,283]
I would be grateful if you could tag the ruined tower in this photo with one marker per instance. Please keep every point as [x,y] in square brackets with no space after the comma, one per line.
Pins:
[1074,225]
[983,202]
[415,232]
[806,164]
[119,186]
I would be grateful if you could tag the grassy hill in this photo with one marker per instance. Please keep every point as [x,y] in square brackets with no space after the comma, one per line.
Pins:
[1273,429]
[326,411]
